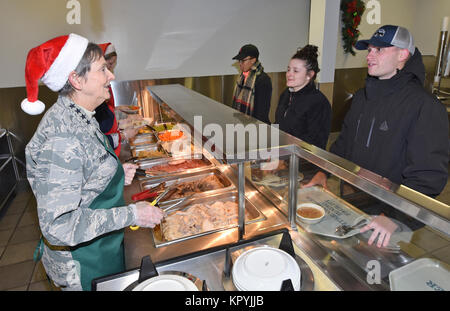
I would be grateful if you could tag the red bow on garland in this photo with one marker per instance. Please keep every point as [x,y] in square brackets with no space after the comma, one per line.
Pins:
[352,10]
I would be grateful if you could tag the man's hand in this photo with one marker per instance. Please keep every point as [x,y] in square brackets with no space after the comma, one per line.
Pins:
[382,226]
[319,179]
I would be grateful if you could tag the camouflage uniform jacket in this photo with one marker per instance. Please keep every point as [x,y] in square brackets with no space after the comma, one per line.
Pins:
[67,167]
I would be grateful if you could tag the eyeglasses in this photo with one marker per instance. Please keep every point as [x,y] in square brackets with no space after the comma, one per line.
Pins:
[244,60]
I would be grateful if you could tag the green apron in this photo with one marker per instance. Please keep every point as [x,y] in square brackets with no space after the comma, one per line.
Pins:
[103,255]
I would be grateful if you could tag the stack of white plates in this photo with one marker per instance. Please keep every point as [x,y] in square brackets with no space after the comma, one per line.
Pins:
[264,269]
[167,282]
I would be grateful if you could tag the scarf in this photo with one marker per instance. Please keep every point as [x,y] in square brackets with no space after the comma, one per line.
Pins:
[244,91]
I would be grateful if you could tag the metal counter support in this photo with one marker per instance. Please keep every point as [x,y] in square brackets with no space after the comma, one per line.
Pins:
[293,184]
[241,193]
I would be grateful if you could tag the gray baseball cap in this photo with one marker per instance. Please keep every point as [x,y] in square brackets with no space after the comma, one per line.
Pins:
[389,35]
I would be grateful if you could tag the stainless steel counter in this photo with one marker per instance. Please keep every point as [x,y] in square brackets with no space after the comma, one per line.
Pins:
[336,264]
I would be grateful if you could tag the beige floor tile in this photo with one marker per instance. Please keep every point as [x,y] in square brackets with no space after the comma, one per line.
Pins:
[428,240]
[22,288]
[16,207]
[412,250]
[23,196]
[16,275]
[9,221]
[29,218]
[40,286]
[5,235]
[443,254]
[16,253]
[446,237]
[39,273]
[25,234]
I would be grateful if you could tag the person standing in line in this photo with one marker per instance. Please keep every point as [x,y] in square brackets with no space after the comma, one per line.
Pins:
[303,111]
[394,127]
[253,90]
[105,113]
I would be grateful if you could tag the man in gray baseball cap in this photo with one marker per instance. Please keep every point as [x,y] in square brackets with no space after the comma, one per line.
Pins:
[388,36]
[394,128]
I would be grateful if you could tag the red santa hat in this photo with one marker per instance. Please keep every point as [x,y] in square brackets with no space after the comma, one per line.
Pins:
[107,48]
[51,62]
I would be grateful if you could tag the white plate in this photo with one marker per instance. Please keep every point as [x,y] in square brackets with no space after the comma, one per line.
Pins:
[421,275]
[265,268]
[167,282]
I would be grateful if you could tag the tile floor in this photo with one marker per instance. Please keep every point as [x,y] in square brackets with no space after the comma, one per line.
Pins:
[19,235]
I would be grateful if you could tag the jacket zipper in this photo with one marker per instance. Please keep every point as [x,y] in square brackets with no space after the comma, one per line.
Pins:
[370,133]
[289,105]
[357,126]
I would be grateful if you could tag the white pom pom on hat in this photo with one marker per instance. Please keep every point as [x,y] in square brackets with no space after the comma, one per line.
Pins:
[51,62]
[107,48]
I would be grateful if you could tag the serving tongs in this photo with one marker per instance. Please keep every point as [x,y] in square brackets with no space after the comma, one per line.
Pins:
[132,160]
[177,204]
[149,193]
[154,203]
[141,172]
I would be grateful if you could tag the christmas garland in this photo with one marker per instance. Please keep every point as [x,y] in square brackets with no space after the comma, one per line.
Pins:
[352,10]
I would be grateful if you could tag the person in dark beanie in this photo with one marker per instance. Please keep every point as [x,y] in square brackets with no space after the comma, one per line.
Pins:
[253,90]
[395,128]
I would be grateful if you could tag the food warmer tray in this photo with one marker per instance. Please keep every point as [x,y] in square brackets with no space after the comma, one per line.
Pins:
[143,139]
[184,178]
[146,164]
[162,126]
[254,215]
[154,147]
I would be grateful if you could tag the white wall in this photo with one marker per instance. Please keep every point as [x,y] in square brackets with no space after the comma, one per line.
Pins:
[422,18]
[159,38]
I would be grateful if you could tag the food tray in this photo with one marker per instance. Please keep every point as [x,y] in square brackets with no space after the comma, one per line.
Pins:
[129,109]
[146,164]
[253,213]
[185,178]
[421,275]
[143,139]
[337,212]
[195,153]
[137,150]
[159,127]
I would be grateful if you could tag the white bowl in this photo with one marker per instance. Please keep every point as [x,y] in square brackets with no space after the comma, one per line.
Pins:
[264,269]
[167,282]
[310,220]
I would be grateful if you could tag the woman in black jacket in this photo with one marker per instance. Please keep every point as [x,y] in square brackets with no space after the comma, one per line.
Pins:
[303,111]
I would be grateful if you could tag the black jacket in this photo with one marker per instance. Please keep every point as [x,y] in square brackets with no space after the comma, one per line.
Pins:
[305,114]
[397,130]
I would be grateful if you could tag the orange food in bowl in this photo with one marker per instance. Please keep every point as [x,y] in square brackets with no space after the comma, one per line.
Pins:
[309,212]
[170,135]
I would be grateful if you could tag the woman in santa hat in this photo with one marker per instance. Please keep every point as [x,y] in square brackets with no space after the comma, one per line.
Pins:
[74,173]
